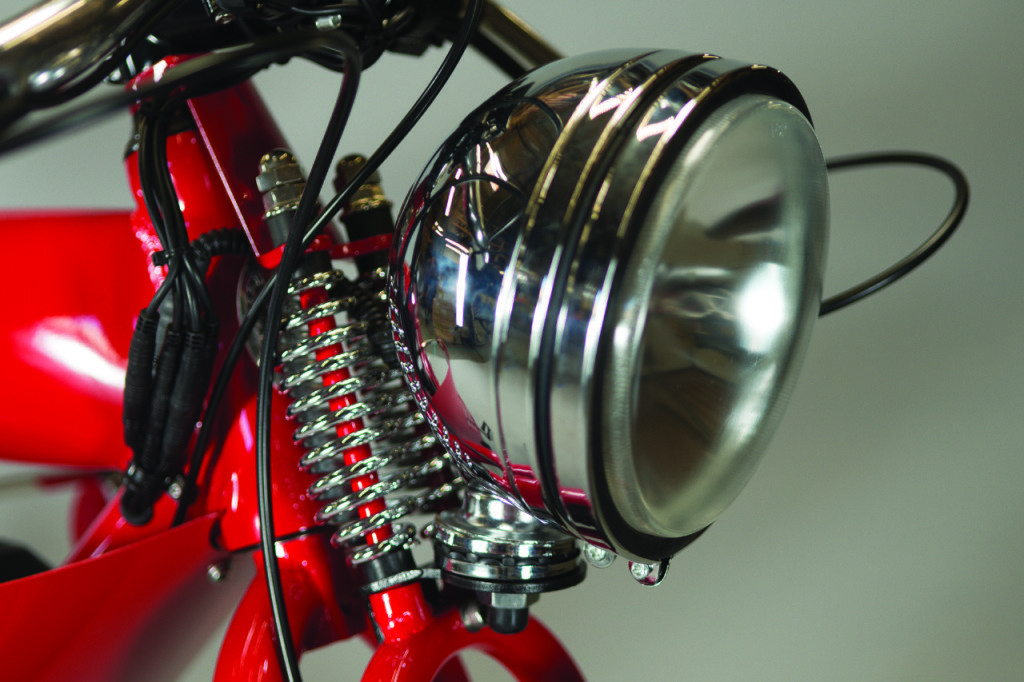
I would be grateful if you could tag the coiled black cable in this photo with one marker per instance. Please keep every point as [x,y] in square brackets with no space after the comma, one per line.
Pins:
[165,380]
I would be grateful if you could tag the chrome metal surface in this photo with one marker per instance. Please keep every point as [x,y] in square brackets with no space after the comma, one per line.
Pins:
[649,575]
[218,572]
[603,284]
[598,557]
[490,540]
[503,27]
[281,182]
[412,471]
[370,194]
[56,42]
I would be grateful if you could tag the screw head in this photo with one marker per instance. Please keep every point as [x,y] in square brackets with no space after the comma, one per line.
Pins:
[598,557]
[175,489]
[648,575]
[472,613]
[218,572]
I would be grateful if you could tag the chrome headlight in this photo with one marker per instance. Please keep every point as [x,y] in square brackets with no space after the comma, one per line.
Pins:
[603,284]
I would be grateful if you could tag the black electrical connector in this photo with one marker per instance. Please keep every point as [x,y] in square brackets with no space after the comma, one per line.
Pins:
[138,380]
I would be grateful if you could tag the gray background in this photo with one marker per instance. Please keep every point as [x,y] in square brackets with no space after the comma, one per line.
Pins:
[881,538]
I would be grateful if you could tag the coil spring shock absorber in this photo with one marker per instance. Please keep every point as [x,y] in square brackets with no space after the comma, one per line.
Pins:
[376,460]
[357,420]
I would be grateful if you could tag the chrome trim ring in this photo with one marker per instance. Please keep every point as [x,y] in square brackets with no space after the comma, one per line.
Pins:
[612,247]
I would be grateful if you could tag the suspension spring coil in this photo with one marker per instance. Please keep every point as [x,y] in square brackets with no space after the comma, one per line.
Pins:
[377,461]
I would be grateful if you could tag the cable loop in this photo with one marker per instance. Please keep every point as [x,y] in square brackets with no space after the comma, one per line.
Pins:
[928,247]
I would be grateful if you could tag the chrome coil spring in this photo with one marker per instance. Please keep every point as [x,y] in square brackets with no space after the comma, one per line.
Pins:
[352,401]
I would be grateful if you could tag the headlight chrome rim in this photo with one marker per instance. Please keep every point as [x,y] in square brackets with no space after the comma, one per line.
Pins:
[534,455]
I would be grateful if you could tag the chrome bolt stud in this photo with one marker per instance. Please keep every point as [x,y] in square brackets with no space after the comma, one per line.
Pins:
[328,23]
[218,572]
[175,489]
[598,557]
[648,575]
[473,617]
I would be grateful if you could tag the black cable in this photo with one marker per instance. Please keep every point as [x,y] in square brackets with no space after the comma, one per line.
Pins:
[373,47]
[326,10]
[295,245]
[165,383]
[175,240]
[198,299]
[289,260]
[400,131]
[200,75]
[147,182]
[926,249]
[220,387]
[105,67]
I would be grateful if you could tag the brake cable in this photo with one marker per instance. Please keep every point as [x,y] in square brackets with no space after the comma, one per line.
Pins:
[295,245]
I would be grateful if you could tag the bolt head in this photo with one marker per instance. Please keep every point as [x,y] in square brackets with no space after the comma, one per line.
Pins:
[175,490]
[472,613]
[217,572]
[639,570]
[649,575]
[598,557]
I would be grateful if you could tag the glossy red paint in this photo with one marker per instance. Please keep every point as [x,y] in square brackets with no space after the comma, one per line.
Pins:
[64,338]
[92,495]
[114,610]
[271,259]
[65,347]
[237,130]
[358,453]
[400,612]
[230,484]
[318,613]
[533,654]
[107,619]
[202,202]
[362,247]
[109,531]
[234,129]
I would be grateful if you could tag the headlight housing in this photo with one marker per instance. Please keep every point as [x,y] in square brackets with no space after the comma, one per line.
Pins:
[603,284]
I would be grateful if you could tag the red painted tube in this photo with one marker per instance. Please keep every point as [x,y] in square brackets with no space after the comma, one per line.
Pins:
[317,614]
[533,655]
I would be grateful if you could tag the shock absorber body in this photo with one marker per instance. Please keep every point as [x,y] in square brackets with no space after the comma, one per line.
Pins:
[357,422]
[375,459]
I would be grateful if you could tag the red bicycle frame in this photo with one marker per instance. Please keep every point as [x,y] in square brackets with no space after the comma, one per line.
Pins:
[128,598]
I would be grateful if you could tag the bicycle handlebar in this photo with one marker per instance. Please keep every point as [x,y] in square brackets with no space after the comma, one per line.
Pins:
[49,47]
